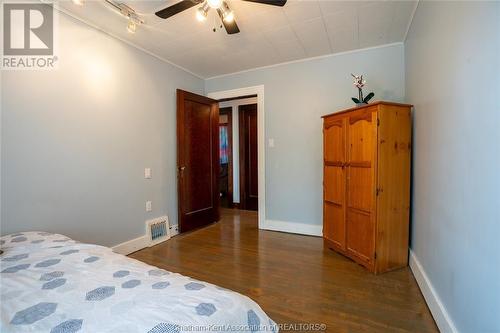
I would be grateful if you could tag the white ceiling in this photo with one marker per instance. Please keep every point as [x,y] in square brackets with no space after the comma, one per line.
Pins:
[269,34]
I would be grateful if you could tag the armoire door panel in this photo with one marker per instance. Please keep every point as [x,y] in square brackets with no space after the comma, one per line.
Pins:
[363,114]
[361,156]
[360,140]
[334,224]
[359,188]
[360,235]
[334,143]
[334,183]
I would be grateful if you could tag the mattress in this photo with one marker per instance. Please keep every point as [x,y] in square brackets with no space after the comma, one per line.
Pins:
[51,283]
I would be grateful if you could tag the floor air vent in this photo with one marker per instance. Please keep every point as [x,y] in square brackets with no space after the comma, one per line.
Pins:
[157,230]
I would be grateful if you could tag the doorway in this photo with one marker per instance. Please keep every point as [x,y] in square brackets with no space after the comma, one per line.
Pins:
[238,152]
[238,93]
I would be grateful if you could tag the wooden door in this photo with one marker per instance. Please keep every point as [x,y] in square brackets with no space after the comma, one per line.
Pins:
[361,184]
[249,189]
[226,166]
[334,182]
[197,160]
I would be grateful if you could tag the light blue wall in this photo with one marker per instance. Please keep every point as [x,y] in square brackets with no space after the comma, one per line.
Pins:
[75,141]
[452,57]
[296,96]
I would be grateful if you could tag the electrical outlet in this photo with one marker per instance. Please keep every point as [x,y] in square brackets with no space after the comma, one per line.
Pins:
[147,173]
[174,230]
[149,206]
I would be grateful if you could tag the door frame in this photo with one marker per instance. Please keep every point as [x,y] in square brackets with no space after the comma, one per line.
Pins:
[261,147]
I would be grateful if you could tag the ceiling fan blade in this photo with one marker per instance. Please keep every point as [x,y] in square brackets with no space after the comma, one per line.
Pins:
[279,3]
[177,8]
[231,27]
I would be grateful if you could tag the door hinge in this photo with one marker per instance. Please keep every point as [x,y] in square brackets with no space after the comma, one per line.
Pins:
[378,122]
[379,190]
[375,256]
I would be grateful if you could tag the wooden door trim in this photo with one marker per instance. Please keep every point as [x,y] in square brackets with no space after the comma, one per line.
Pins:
[235,98]
[229,114]
[183,95]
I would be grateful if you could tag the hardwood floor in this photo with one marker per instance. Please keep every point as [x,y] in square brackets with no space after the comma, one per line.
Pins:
[294,278]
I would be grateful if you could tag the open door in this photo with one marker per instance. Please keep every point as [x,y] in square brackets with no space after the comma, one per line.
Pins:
[197,160]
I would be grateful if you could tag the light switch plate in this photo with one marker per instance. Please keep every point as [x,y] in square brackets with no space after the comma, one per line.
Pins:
[149,206]
[147,173]
[271,143]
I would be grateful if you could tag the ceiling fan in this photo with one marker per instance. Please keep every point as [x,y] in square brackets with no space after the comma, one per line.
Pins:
[221,6]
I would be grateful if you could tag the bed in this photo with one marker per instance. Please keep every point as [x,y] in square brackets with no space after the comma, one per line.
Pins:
[51,283]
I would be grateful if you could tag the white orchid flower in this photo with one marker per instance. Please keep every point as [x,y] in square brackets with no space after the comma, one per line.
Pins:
[358,81]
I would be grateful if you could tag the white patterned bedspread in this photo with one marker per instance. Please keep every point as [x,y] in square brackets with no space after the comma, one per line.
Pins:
[50,283]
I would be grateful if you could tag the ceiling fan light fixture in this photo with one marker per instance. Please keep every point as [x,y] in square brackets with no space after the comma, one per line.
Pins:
[133,19]
[131,26]
[214,3]
[202,13]
[78,2]
[229,17]
[227,13]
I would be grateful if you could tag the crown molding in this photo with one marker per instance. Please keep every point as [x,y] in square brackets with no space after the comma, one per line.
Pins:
[306,59]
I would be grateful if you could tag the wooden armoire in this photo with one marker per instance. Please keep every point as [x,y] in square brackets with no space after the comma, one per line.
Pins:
[366,184]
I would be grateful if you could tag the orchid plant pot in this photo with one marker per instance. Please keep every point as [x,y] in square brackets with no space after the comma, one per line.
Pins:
[360,83]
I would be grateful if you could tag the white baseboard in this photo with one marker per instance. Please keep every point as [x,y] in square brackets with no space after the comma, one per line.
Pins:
[294,228]
[132,245]
[140,243]
[438,310]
